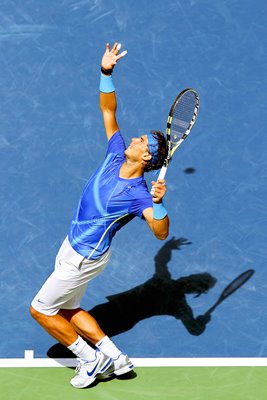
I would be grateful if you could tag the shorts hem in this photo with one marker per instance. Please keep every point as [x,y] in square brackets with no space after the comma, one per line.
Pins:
[45,312]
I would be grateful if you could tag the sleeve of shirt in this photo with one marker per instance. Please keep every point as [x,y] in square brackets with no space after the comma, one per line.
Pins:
[140,204]
[116,145]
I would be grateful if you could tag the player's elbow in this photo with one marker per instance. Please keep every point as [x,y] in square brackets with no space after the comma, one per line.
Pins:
[162,235]
[161,228]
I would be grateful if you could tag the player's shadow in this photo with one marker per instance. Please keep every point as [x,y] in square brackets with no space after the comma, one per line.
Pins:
[160,295]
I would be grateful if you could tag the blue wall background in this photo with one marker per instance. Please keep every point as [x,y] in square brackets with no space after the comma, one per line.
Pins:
[52,138]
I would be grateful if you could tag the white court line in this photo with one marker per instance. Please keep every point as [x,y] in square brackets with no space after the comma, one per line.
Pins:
[30,361]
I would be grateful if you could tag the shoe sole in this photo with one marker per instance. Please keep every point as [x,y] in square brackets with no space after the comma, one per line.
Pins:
[124,370]
[118,372]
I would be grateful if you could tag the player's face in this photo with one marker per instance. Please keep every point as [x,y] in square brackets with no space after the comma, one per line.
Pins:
[137,148]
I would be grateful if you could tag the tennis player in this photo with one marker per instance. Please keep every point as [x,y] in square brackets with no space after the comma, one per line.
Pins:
[113,196]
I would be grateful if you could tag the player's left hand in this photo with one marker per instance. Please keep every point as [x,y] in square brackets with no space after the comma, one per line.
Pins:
[111,57]
[159,188]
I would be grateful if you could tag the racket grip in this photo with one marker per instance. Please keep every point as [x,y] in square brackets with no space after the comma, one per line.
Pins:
[162,174]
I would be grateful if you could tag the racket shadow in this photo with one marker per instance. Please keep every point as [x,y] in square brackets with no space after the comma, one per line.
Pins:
[160,295]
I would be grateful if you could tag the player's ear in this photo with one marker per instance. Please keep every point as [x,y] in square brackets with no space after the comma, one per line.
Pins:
[146,156]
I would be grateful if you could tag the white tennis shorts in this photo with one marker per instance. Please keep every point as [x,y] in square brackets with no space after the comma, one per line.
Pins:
[66,285]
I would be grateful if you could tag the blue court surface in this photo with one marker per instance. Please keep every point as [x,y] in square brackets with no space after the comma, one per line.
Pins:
[52,138]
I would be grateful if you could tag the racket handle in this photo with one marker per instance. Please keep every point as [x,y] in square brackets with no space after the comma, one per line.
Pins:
[162,174]
[211,309]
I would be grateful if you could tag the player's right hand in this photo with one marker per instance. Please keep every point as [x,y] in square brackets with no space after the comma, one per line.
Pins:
[111,57]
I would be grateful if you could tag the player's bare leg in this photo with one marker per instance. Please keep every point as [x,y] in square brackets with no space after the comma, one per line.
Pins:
[84,324]
[92,362]
[57,326]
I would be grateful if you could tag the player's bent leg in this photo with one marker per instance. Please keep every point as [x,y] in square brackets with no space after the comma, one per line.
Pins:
[91,361]
[84,324]
[56,325]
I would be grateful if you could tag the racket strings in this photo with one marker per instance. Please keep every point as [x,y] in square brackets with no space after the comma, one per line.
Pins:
[184,114]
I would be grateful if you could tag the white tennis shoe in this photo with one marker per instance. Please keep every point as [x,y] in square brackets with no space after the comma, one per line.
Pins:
[120,366]
[87,370]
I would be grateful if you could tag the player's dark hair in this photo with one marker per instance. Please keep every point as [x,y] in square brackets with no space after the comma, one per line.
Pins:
[162,152]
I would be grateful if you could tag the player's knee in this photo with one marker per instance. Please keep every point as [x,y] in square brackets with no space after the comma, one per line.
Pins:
[34,313]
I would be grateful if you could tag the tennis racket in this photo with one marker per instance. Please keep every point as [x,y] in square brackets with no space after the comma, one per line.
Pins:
[231,288]
[181,119]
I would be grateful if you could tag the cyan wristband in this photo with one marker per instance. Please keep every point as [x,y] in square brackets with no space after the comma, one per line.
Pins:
[106,84]
[159,211]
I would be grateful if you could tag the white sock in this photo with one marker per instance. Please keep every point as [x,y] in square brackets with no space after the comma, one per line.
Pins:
[82,350]
[108,348]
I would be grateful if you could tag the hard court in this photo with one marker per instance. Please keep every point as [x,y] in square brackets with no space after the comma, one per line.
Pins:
[51,140]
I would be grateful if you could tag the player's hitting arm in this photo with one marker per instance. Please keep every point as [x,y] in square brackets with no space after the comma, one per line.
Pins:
[156,216]
[107,99]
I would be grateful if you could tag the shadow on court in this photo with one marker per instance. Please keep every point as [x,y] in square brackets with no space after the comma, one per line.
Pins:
[160,295]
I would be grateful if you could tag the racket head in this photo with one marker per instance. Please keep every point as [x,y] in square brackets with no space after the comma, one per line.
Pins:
[181,119]
[237,283]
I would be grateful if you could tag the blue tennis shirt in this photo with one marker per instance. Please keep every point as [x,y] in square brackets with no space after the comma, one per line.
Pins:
[107,203]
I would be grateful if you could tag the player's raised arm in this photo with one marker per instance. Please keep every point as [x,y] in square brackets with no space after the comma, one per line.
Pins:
[107,100]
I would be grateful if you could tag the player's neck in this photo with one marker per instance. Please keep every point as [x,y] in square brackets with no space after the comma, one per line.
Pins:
[130,170]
